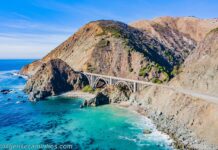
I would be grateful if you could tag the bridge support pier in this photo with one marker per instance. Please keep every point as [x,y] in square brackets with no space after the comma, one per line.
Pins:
[110,81]
[134,87]
[92,81]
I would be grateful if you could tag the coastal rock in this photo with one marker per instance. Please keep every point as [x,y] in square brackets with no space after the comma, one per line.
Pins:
[5,91]
[100,99]
[119,94]
[54,77]
[147,131]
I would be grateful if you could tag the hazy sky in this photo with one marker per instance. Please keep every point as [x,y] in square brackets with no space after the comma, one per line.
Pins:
[31,28]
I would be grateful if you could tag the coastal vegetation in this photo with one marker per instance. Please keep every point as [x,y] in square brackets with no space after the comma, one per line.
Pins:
[154,73]
[88,89]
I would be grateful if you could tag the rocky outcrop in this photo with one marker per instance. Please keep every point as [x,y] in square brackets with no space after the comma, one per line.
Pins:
[109,94]
[100,99]
[31,69]
[5,91]
[52,78]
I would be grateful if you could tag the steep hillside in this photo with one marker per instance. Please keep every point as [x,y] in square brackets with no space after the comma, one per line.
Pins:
[181,34]
[146,50]
[111,47]
[191,27]
[200,72]
[190,120]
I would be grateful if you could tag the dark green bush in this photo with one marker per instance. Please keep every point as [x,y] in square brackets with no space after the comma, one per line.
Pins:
[156,80]
[145,70]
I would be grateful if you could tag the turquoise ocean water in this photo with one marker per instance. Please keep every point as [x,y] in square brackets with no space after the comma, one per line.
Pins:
[60,120]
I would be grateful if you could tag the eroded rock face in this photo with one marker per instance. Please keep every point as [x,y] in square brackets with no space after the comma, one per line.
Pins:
[52,78]
[109,94]
[200,71]
[100,99]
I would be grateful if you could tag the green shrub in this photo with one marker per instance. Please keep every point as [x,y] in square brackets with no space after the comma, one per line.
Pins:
[115,31]
[175,71]
[145,70]
[103,43]
[156,80]
[167,77]
[169,56]
[88,89]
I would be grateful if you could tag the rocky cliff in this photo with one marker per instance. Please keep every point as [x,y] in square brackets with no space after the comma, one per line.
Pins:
[200,70]
[192,121]
[52,78]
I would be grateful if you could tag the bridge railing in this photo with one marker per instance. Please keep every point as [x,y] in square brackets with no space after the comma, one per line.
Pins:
[211,98]
[118,78]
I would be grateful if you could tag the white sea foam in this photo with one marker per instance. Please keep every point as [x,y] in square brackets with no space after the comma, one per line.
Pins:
[18,102]
[19,75]
[141,122]
[127,138]
[8,71]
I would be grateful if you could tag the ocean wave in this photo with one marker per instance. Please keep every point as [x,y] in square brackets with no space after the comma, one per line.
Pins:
[127,138]
[142,123]
[9,71]
[13,73]
[19,75]
[6,74]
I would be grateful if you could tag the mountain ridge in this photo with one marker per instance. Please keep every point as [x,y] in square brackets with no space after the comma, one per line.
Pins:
[105,41]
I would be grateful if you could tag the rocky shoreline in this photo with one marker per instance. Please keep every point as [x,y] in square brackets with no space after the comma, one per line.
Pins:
[126,104]
[177,144]
[183,137]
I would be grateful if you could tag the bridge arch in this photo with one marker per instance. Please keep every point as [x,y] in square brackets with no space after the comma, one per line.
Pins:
[100,83]
[124,84]
[88,78]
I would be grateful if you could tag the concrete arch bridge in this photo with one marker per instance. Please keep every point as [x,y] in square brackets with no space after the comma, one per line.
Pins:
[136,85]
[97,80]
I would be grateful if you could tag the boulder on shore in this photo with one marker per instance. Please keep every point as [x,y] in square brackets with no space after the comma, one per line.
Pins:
[53,78]
[100,99]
